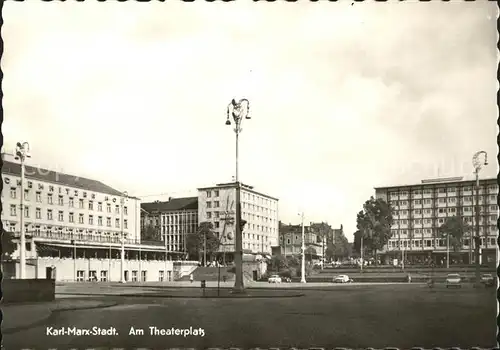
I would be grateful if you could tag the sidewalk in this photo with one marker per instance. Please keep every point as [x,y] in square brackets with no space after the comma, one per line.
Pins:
[24,315]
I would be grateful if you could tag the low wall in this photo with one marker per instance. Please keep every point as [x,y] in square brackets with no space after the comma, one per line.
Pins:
[28,290]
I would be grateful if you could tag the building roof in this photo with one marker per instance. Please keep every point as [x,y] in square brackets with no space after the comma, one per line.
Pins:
[438,181]
[173,204]
[58,178]
[233,184]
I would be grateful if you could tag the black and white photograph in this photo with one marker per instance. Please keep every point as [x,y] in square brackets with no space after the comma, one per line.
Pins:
[249,174]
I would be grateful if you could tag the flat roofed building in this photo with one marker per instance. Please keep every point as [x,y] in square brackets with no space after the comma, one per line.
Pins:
[420,209]
[174,220]
[217,204]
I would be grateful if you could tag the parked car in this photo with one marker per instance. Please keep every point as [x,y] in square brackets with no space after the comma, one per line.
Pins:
[488,280]
[342,279]
[453,280]
[286,279]
[274,279]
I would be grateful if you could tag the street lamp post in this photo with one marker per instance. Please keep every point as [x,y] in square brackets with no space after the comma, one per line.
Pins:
[447,250]
[238,111]
[22,152]
[303,266]
[477,240]
[122,201]
[361,251]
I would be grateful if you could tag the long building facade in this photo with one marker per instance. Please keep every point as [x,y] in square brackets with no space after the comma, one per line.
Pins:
[420,209]
[76,226]
[217,204]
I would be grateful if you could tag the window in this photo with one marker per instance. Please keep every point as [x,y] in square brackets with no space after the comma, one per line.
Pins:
[117,209]
[209,194]
[404,203]
[418,211]
[38,213]
[161,275]
[467,209]
[125,211]
[26,195]
[209,215]
[493,241]
[80,203]
[216,193]
[452,200]
[80,218]
[13,192]
[99,206]
[418,201]
[428,242]
[418,221]
[108,222]
[108,208]
[80,276]
[117,223]
[451,189]
[91,220]
[49,214]
[493,218]
[217,224]
[466,242]
[442,200]
[494,207]
[13,210]
[99,221]
[134,276]
[144,275]
[216,214]
[104,275]
[60,216]
[209,204]
[39,197]
[60,200]
[404,222]
[71,202]
[418,230]
[125,224]
[49,198]
[441,221]
[216,204]
[288,241]
[427,201]
[71,217]
[441,211]
[428,211]
[442,190]
[451,210]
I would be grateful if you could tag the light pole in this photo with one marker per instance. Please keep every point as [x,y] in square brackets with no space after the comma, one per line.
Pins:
[122,201]
[361,251]
[238,111]
[477,240]
[303,266]
[22,152]
[447,250]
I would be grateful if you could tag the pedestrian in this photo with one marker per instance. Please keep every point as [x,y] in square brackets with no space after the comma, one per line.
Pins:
[224,278]
[409,278]
[191,278]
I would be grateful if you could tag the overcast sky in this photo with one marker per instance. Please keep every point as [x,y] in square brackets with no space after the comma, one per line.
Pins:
[343,98]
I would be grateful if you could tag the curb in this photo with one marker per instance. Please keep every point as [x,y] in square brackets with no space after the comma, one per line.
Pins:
[166,296]
[50,314]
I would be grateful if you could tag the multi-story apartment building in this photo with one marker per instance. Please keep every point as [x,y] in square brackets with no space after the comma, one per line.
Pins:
[174,219]
[76,225]
[291,240]
[217,204]
[420,209]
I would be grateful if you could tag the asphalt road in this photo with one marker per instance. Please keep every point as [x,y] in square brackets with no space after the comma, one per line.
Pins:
[359,316]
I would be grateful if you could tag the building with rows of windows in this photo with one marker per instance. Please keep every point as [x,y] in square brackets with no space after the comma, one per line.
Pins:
[420,209]
[217,204]
[290,237]
[75,226]
[173,220]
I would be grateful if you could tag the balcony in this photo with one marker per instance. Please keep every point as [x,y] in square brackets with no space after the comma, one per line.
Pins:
[80,237]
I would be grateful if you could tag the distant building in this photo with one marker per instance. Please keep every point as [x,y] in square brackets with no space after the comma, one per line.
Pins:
[174,220]
[420,209]
[291,240]
[217,204]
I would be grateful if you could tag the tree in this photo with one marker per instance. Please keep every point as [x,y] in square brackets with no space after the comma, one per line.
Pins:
[456,229]
[279,262]
[151,233]
[195,242]
[374,224]
[310,252]
[8,245]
